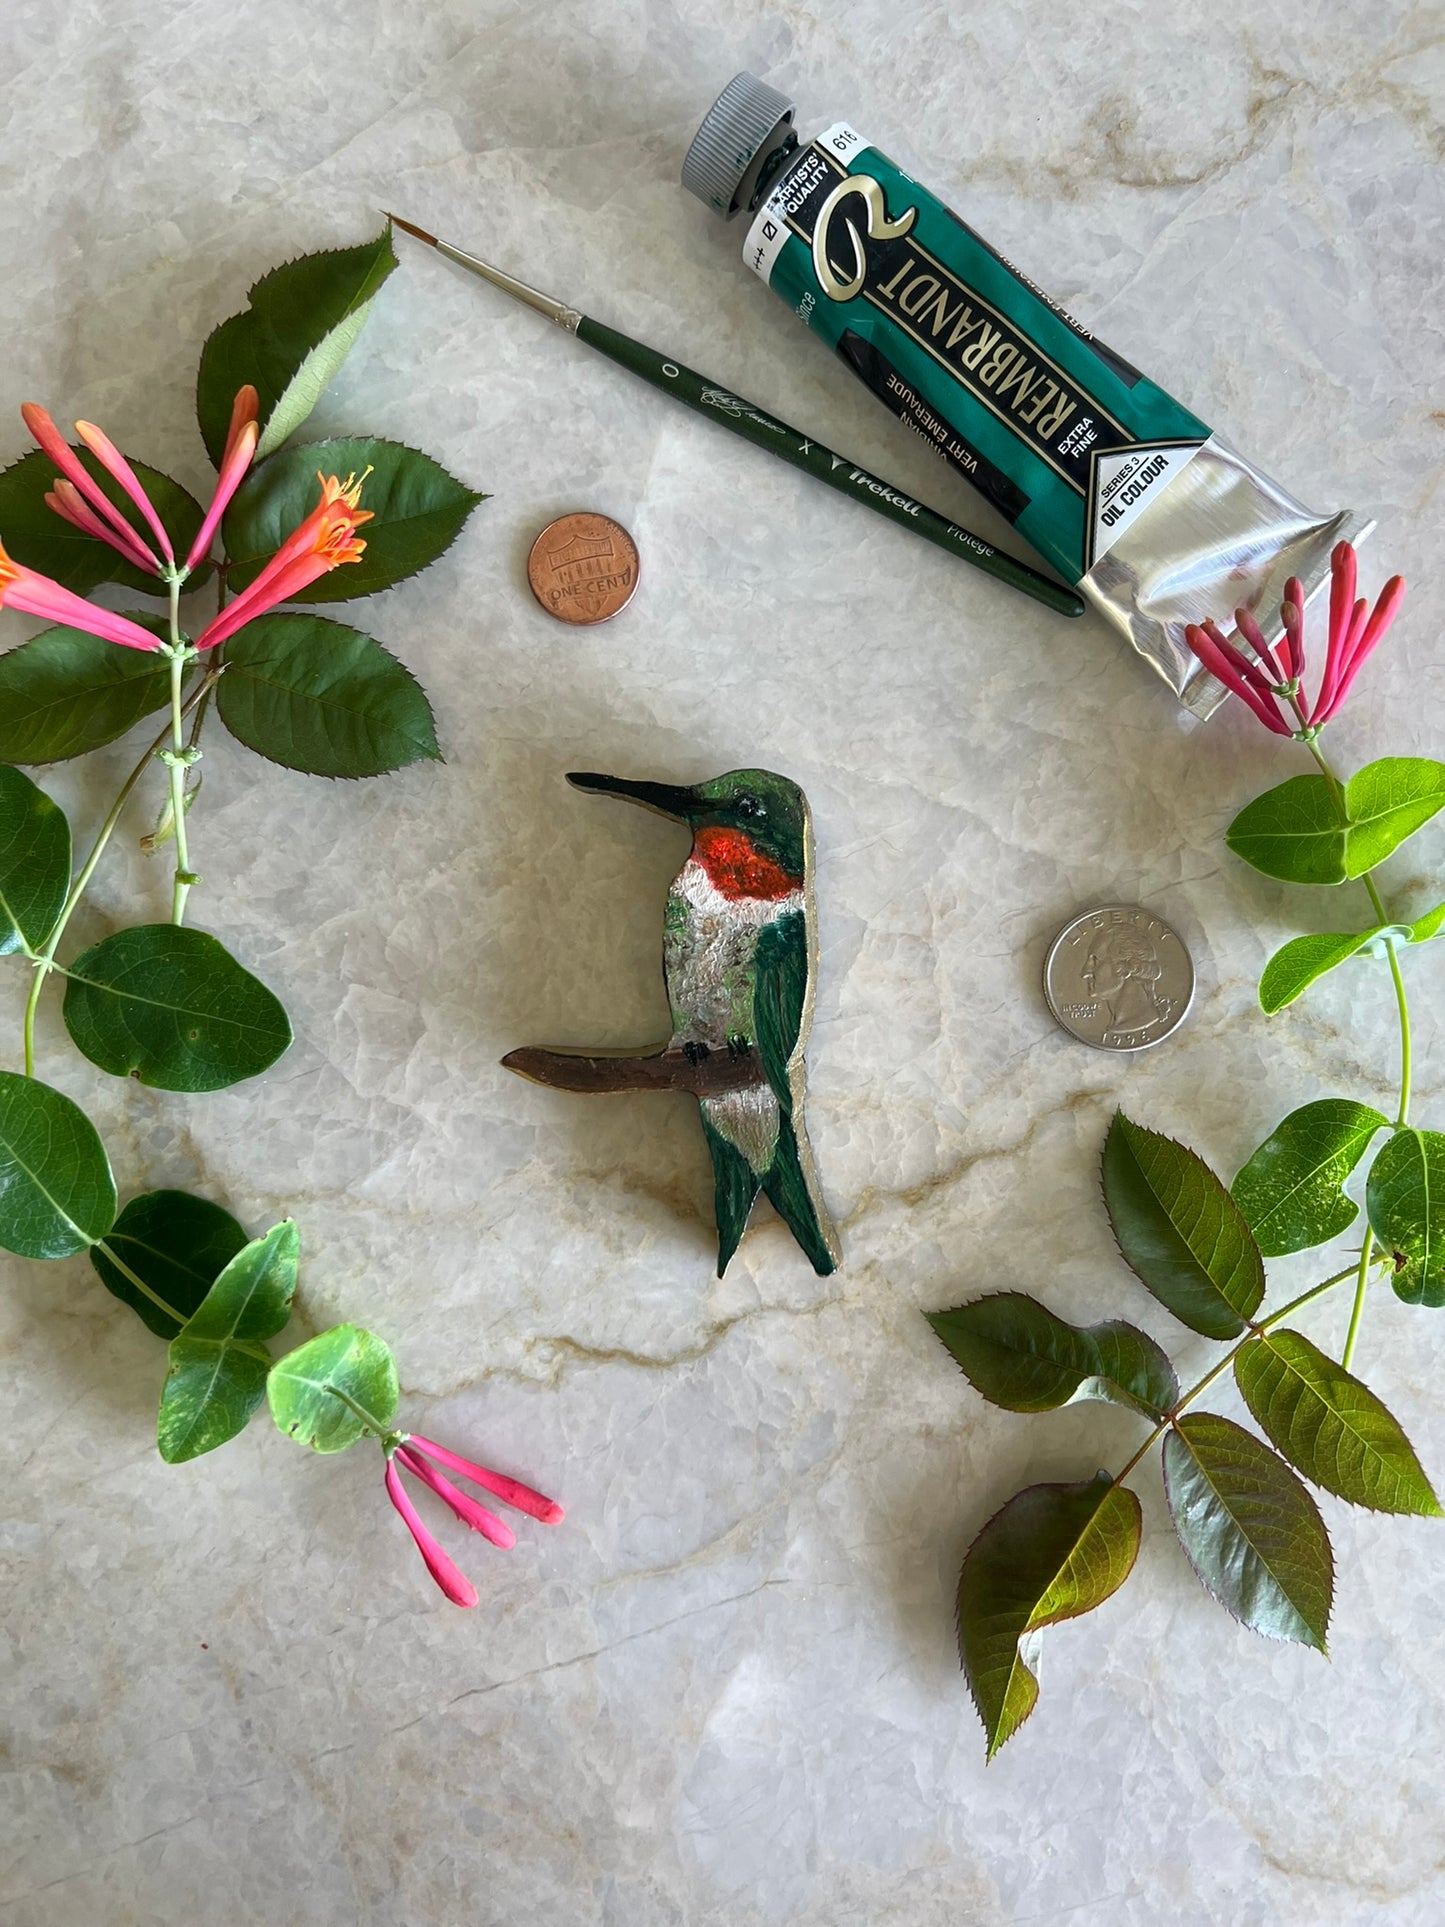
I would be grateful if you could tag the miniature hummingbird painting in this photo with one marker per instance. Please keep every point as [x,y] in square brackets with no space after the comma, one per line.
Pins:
[739,954]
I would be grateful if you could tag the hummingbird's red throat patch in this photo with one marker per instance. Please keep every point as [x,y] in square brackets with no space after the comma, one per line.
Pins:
[736,869]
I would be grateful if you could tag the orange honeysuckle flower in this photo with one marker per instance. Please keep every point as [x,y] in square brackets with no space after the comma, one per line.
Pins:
[34,594]
[322,542]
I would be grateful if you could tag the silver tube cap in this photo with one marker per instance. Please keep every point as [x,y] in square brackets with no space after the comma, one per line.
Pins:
[745,127]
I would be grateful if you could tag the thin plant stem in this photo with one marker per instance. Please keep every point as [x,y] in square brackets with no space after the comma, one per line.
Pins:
[45,962]
[368,1419]
[177,763]
[1256,1330]
[140,1284]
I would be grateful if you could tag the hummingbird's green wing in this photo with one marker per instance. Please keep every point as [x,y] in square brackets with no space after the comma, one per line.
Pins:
[780,995]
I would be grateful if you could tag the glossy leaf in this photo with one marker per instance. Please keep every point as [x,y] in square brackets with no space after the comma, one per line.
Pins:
[178,1244]
[1019,1355]
[219,1363]
[1405,1198]
[65,692]
[303,1388]
[1251,1530]
[316,696]
[56,1192]
[172,1008]
[1387,802]
[1180,1231]
[41,539]
[1297,964]
[1330,1426]
[1293,832]
[34,863]
[299,327]
[1291,1189]
[418,511]
[1428,926]
[1052,1553]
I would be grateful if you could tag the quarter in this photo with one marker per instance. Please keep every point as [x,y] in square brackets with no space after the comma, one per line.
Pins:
[1118,978]
[583,568]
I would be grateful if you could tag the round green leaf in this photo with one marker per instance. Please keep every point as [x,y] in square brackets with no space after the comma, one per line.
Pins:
[43,540]
[316,696]
[1330,1426]
[1052,1553]
[56,1192]
[1293,832]
[1290,1190]
[219,1363]
[300,325]
[65,692]
[1019,1355]
[304,1385]
[1180,1231]
[178,1244]
[418,511]
[172,1007]
[1251,1530]
[1296,965]
[1405,1199]
[34,863]
[1387,802]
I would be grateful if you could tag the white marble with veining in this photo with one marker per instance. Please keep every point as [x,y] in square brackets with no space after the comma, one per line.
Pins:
[725,1693]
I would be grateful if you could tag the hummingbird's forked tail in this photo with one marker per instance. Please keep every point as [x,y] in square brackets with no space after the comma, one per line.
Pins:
[783,1169]
[792,1188]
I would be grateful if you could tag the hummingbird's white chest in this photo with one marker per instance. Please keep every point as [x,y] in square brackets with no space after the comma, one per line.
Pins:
[709,951]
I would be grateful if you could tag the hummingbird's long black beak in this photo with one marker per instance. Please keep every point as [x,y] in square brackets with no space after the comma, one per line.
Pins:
[669,799]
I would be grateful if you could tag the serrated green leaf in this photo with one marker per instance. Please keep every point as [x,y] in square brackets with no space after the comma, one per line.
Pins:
[319,697]
[178,1244]
[1330,1426]
[418,511]
[304,1385]
[219,1363]
[56,1192]
[171,1007]
[1180,1231]
[1296,965]
[1016,1353]
[1293,832]
[34,863]
[65,692]
[1052,1553]
[1290,1191]
[301,323]
[1387,802]
[1405,1199]
[1250,1529]
[43,540]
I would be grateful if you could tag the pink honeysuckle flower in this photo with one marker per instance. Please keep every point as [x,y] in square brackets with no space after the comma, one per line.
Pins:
[322,542]
[240,449]
[413,1454]
[66,500]
[121,535]
[34,594]
[1272,686]
[110,458]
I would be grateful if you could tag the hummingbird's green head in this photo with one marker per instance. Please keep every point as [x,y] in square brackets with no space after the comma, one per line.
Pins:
[768,809]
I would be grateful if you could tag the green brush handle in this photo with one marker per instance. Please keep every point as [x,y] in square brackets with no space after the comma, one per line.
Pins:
[791,445]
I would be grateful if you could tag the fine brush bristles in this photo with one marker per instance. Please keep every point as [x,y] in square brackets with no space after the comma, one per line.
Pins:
[411,228]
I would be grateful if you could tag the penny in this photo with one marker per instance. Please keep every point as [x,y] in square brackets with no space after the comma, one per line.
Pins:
[1118,978]
[583,568]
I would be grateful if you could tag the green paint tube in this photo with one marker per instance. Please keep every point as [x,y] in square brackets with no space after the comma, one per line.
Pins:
[1117,485]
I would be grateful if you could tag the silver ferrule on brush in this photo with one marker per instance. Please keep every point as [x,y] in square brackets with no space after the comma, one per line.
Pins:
[557,311]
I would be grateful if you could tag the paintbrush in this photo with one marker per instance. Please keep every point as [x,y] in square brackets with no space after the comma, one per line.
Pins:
[731,411]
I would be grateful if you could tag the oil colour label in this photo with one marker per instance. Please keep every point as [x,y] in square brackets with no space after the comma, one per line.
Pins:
[1066,438]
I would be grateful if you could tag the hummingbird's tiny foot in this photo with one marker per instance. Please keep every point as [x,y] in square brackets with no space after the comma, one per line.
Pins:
[738,1046]
[696,1053]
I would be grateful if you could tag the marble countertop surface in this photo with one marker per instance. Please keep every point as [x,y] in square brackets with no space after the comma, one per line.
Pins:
[726,1692]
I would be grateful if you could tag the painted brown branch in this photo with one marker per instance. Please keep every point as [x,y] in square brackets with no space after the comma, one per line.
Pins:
[658,1070]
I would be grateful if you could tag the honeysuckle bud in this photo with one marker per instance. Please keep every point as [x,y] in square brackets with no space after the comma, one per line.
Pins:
[34,594]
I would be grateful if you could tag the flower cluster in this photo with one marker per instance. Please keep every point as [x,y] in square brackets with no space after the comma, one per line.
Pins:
[1273,684]
[322,542]
[417,1454]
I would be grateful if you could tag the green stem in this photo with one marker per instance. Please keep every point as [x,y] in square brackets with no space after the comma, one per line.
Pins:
[45,962]
[177,765]
[140,1284]
[368,1419]
[1255,1331]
